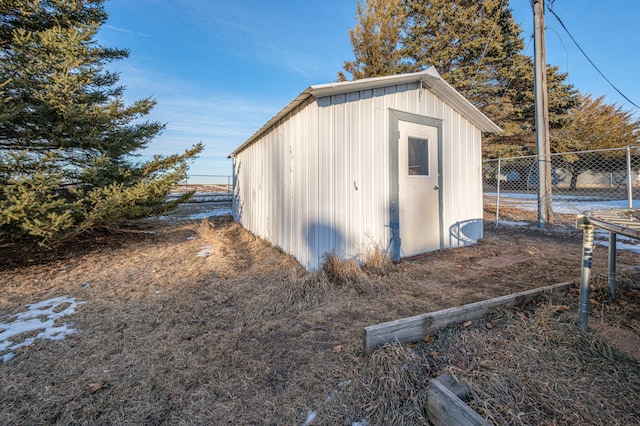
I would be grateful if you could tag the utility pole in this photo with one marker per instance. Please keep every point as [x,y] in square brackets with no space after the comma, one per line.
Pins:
[543,150]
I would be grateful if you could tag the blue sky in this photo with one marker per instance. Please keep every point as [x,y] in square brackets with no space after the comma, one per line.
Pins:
[219,69]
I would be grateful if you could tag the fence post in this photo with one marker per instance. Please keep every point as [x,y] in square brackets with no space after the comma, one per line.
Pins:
[498,194]
[585,274]
[629,180]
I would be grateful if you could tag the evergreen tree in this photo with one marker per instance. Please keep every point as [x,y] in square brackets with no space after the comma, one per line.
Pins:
[66,137]
[376,40]
[476,46]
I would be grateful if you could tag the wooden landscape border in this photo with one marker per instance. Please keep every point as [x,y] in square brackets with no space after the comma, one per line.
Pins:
[414,328]
[444,407]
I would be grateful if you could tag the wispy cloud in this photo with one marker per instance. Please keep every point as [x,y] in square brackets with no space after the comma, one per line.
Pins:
[218,69]
[126,31]
[220,120]
[120,30]
[254,31]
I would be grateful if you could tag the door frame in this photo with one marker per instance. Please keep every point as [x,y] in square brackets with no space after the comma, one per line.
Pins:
[394,185]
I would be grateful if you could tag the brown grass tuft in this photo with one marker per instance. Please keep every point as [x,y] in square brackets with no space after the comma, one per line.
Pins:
[280,297]
[600,286]
[395,385]
[378,262]
[205,229]
[347,273]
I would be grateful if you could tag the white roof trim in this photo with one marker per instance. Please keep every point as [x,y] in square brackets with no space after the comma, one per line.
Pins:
[429,78]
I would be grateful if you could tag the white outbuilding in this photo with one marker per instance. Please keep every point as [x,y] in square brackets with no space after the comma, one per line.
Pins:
[392,163]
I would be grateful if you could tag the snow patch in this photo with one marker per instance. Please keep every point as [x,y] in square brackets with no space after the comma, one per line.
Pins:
[622,241]
[42,317]
[203,211]
[512,223]
[623,246]
[562,204]
[196,216]
[311,416]
[205,251]
[572,204]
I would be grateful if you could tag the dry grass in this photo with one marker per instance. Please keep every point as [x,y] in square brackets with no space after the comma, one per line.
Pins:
[529,366]
[244,335]
[347,273]
[379,263]
[394,383]
[544,366]
[538,366]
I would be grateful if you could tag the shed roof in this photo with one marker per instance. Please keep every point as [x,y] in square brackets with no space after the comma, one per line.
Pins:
[429,79]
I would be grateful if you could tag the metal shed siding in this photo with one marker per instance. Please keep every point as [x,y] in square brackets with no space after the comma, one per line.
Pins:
[274,181]
[462,177]
[318,181]
[354,163]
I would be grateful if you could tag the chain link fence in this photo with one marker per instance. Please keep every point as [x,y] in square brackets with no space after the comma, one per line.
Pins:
[208,188]
[581,181]
[206,183]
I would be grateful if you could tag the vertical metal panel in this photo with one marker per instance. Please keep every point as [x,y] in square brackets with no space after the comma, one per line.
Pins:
[274,188]
[314,183]
[462,164]
[326,177]
[319,180]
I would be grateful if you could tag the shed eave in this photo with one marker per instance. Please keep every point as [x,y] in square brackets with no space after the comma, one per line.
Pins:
[451,96]
[337,88]
[303,96]
[429,78]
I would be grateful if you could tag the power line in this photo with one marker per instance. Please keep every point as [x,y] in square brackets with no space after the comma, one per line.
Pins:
[566,52]
[493,27]
[589,59]
[504,92]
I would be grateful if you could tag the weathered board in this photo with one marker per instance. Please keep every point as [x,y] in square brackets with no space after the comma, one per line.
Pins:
[458,388]
[445,408]
[414,328]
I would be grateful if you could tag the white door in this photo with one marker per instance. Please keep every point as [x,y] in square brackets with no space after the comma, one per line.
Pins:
[418,198]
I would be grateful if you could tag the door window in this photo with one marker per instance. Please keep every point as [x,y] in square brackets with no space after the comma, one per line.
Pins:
[418,157]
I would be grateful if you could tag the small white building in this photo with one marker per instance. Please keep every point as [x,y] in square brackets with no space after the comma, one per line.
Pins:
[390,162]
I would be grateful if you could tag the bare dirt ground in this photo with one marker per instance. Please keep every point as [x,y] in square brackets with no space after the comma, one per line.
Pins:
[242,334]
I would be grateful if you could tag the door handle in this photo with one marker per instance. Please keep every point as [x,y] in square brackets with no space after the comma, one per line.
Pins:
[436,187]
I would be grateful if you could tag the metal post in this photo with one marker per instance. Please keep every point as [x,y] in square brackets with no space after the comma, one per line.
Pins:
[498,194]
[542,117]
[612,265]
[629,179]
[585,275]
